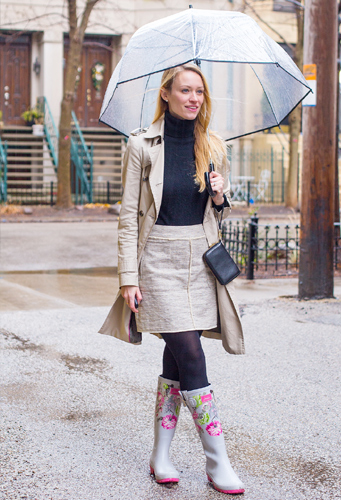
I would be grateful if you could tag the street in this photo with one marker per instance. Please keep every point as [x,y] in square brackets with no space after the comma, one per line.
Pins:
[77,407]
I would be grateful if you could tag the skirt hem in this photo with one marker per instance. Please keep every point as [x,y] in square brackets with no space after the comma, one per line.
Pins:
[178,331]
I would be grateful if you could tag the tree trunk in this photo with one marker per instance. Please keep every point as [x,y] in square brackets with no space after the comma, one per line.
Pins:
[291,196]
[295,121]
[64,160]
[76,34]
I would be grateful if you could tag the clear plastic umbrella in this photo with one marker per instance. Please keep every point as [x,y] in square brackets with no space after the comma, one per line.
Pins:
[253,82]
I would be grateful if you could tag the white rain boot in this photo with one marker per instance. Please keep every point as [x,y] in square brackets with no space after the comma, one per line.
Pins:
[205,415]
[167,410]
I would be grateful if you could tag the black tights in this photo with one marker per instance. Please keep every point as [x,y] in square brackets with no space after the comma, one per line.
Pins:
[184,360]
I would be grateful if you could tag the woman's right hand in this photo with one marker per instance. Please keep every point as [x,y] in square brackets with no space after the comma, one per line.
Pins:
[129,293]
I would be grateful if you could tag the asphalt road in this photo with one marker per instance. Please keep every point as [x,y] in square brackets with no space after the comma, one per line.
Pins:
[77,407]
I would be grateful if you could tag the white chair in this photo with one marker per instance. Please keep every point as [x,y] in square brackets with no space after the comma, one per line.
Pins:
[262,185]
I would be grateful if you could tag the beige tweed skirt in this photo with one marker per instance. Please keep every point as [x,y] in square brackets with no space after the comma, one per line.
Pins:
[178,289]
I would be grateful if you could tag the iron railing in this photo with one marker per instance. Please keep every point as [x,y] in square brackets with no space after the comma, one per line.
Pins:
[264,249]
[82,159]
[258,176]
[50,129]
[3,171]
[46,193]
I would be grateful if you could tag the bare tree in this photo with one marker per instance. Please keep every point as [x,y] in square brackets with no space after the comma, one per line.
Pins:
[77,27]
[295,120]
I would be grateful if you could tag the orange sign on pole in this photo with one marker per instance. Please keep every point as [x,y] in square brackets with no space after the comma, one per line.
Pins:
[309,73]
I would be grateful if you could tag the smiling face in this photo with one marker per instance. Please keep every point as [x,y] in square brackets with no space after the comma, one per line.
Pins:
[186,95]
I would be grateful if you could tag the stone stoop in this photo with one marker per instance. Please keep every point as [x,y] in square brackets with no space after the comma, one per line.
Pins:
[29,166]
[108,150]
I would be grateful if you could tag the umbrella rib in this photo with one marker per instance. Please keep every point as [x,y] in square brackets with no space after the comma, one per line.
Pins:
[143,99]
[193,44]
[266,95]
[292,76]
[154,72]
[176,38]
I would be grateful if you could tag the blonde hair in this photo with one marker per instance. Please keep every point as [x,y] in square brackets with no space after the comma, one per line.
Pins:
[205,147]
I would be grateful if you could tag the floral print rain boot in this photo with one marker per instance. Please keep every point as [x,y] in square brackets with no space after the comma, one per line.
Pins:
[167,410]
[205,415]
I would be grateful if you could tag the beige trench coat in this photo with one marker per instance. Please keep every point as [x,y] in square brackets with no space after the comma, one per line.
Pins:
[143,168]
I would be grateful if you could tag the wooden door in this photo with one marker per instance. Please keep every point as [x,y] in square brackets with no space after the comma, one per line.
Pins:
[15,84]
[93,77]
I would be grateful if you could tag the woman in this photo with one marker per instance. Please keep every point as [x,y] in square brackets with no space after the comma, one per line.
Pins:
[167,222]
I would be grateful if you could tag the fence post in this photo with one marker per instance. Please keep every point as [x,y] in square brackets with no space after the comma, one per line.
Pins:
[283,175]
[108,192]
[272,175]
[251,246]
[91,172]
[51,193]
[298,178]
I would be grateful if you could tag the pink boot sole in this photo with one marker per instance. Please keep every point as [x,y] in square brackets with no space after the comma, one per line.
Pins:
[168,480]
[229,492]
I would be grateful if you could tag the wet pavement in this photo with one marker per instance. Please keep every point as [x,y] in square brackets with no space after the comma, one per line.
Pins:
[77,407]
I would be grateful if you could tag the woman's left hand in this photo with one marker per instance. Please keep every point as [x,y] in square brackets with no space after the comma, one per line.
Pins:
[217,183]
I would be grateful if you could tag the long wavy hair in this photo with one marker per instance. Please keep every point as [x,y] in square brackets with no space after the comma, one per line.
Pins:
[207,144]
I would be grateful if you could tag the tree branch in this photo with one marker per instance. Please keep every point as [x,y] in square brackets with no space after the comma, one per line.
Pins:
[291,47]
[4,25]
[90,4]
[72,9]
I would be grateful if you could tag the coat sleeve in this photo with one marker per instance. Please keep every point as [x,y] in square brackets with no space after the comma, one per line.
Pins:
[128,221]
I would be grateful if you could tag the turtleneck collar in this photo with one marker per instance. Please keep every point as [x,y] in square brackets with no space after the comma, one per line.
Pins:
[175,127]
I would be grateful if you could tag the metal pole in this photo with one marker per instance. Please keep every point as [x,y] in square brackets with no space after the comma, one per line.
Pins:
[272,175]
[252,246]
[337,181]
[108,192]
[283,175]
[5,172]
[298,178]
[318,173]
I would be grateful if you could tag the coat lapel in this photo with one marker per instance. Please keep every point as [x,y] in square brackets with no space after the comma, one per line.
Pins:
[156,154]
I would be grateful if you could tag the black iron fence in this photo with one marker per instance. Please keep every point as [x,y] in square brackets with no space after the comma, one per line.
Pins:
[45,193]
[264,249]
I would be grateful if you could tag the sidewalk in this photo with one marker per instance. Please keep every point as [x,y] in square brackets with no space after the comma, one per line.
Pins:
[45,213]
[77,407]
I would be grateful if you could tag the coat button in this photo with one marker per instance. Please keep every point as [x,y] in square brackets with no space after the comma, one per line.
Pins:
[141,212]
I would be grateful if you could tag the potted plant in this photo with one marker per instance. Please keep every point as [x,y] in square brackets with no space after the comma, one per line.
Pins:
[28,117]
[35,118]
[38,126]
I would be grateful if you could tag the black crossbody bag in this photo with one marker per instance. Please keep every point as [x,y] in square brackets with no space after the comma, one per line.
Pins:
[219,260]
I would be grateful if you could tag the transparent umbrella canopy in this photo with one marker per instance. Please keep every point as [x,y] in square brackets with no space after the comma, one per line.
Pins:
[254,83]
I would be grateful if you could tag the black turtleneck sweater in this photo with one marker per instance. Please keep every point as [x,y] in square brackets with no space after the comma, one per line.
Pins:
[182,204]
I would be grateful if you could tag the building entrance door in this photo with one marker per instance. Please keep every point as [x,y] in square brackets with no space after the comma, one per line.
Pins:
[93,77]
[15,82]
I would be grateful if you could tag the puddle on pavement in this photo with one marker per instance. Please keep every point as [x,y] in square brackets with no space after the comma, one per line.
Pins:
[101,272]
[260,460]
[82,415]
[72,362]
[84,365]
[22,344]
[61,288]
